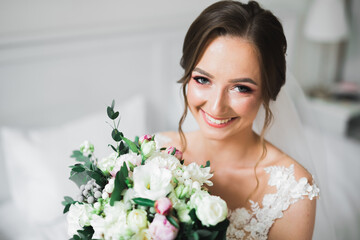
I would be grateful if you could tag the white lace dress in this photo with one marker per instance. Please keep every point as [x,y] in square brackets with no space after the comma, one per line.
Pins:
[255,224]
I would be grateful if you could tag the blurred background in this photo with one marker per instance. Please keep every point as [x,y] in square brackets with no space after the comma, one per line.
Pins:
[62,62]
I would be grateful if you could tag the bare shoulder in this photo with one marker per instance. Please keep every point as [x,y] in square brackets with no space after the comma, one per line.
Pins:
[279,158]
[299,219]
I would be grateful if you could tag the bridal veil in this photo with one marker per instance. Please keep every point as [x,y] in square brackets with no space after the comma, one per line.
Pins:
[288,133]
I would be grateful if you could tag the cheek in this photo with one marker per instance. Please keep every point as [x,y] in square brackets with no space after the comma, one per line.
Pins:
[247,107]
[195,96]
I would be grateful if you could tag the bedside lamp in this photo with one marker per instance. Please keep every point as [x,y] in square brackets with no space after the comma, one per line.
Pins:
[326,25]
[326,22]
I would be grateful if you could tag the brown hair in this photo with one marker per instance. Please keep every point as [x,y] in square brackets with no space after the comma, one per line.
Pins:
[251,22]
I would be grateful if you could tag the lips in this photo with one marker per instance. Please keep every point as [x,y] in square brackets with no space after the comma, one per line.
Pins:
[216,122]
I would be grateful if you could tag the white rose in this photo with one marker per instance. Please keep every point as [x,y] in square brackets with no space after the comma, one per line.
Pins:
[107,164]
[147,148]
[79,215]
[182,210]
[99,225]
[115,213]
[142,235]
[211,210]
[112,224]
[196,198]
[151,181]
[164,160]
[137,220]
[130,157]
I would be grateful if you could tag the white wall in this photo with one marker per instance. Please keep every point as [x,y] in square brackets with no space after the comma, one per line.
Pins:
[54,54]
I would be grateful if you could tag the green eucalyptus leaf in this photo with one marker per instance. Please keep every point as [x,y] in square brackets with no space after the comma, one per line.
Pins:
[113,104]
[192,215]
[68,199]
[123,148]
[172,220]
[113,148]
[76,154]
[78,169]
[115,115]
[110,112]
[144,202]
[79,157]
[66,208]
[120,184]
[136,140]
[116,135]
[76,237]
[99,177]
[207,234]
[207,163]
[195,236]
[86,233]
[79,178]
[133,147]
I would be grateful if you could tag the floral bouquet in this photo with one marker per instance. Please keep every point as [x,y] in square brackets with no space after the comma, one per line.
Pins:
[142,192]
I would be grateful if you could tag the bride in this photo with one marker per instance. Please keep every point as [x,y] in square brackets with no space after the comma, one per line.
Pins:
[234,64]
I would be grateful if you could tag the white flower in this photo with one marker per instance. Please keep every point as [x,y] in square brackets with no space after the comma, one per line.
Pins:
[151,181]
[107,164]
[182,191]
[164,160]
[147,148]
[109,187]
[182,210]
[79,215]
[113,224]
[143,234]
[198,174]
[137,220]
[99,225]
[87,148]
[129,194]
[209,209]
[130,157]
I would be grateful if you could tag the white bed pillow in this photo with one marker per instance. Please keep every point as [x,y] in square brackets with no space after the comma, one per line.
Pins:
[37,160]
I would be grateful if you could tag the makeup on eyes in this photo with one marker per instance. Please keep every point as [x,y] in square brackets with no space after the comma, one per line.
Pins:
[243,89]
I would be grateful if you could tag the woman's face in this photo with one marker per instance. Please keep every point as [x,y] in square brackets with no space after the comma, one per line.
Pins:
[224,92]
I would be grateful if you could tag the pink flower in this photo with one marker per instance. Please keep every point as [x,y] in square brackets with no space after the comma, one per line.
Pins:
[173,151]
[163,206]
[147,137]
[162,229]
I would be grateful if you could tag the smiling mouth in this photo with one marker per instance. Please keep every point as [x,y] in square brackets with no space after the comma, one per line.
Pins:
[216,122]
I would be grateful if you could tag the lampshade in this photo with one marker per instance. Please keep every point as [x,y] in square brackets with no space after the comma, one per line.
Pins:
[326,21]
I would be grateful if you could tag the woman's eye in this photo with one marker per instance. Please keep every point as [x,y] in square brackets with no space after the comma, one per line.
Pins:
[243,89]
[201,80]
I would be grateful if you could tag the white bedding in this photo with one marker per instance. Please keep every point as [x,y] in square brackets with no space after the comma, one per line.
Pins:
[344,182]
[36,162]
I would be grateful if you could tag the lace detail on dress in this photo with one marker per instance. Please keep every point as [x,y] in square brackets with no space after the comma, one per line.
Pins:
[255,224]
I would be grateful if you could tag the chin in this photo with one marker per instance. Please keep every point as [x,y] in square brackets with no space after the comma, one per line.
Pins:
[218,134]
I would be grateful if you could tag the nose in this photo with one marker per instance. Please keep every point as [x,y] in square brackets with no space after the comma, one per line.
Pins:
[219,103]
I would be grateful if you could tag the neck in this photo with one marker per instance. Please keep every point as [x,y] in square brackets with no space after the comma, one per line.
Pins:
[243,147]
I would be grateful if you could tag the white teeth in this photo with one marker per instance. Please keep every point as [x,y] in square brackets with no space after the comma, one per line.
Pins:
[216,121]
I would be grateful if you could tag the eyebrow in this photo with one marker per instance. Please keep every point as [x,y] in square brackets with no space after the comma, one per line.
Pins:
[248,80]
[199,70]
[237,80]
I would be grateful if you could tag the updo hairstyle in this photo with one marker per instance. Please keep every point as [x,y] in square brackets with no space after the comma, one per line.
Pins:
[250,22]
